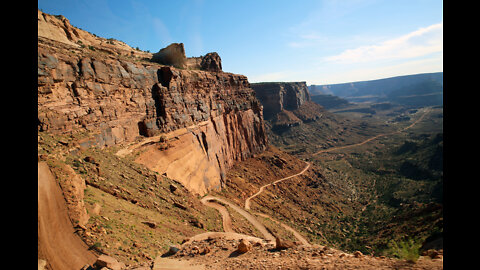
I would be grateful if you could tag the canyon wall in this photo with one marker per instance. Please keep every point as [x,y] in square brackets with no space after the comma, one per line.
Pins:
[113,97]
[287,104]
[280,96]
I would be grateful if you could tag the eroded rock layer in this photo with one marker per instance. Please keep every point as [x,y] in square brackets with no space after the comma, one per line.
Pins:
[113,99]
[279,96]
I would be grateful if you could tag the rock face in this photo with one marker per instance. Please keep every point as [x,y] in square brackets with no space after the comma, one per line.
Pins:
[287,104]
[173,54]
[214,116]
[278,96]
[211,120]
[211,62]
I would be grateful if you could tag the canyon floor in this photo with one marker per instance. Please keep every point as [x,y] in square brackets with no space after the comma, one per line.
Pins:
[209,250]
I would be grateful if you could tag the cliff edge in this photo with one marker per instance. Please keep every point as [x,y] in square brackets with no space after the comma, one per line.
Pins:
[113,97]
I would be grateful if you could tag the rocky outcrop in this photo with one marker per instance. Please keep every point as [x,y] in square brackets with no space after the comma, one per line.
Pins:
[211,62]
[173,54]
[113,100]
[278,96]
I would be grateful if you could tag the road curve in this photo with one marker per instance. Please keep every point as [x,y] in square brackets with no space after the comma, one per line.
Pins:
[288,228]
[226,220]
[260,227]
[57,241]
[247,201]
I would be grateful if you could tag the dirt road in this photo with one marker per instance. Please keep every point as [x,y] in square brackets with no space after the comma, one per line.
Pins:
[227,221]
[57,242]
[208,201]
[266,234]
[374,137]
[247,201]
[288,228]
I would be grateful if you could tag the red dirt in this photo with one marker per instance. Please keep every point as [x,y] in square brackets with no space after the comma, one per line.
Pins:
[57,242]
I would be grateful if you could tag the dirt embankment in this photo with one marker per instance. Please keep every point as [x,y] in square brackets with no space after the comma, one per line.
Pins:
[57,242]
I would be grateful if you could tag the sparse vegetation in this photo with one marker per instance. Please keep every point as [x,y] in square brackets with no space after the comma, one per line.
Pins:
[407,249]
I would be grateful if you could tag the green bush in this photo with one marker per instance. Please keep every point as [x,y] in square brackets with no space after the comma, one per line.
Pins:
[408,249]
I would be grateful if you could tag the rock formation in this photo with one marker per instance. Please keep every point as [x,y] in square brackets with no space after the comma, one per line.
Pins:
[173,54]
[278,96]
[286,103]
[112,99]
[211,62]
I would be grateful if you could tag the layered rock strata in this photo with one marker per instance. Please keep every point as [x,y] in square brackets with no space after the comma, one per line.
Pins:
[287,104]
[279,96]
[113,99]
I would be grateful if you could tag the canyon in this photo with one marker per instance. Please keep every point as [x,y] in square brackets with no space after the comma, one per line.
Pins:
[161,155]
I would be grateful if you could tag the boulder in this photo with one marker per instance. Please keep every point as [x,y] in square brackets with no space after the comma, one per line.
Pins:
[171,251]
[358,254]
[150,224]
[244,246]
[283,244]
[109,262]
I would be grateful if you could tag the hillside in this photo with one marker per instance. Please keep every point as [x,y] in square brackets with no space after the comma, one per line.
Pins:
[388,89]
[159,161]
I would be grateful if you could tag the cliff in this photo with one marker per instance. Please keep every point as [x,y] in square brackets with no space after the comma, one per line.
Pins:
[279,96]
[286,103]
[107,95]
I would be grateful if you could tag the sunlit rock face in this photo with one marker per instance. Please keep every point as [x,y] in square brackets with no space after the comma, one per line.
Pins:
[114,100]
[279,96]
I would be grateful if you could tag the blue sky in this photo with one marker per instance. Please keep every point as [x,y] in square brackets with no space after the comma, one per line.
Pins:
[320,42]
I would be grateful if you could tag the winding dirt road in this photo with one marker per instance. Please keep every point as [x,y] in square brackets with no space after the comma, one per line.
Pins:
[374,137]
[247,201]
[57,241]
[259,226]
[208,200]
[227,221]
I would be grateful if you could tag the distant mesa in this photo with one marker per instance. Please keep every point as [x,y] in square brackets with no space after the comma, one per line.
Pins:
[418,90]
[174,55]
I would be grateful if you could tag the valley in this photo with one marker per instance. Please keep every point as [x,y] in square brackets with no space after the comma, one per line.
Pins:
[165,161]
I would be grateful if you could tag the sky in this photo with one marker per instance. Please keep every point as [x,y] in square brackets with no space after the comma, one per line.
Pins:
[320,42]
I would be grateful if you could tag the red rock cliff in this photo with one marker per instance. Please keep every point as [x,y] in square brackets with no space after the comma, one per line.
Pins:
[211,119]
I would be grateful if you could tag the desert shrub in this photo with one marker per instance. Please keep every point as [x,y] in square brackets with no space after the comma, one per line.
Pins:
[408,249]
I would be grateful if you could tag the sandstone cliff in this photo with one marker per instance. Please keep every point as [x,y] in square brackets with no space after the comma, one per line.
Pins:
[286,103]
[112,97]
[279,96]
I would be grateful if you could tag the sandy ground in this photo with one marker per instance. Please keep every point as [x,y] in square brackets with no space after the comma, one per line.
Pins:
[57,242]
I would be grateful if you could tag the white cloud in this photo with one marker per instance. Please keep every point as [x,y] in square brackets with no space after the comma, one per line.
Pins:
[421,42]
[373,72]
